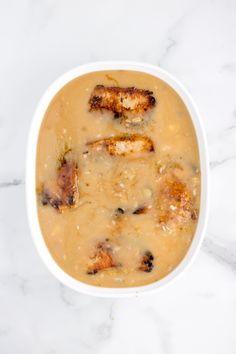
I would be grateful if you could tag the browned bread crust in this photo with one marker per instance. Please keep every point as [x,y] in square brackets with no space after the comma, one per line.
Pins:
[101,259]
[146,264]
[175,202]
[122,100]
[124,145]
[65,194]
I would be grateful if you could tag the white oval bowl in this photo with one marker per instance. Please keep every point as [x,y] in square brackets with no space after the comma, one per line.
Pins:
[31,200]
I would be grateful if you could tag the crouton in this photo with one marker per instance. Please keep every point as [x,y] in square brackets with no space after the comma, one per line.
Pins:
[124,145]
[175,201]
[122,102]
[146,264]
[64,193]
[102,258]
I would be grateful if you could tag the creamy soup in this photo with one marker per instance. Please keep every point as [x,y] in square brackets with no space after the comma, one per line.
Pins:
[118,178]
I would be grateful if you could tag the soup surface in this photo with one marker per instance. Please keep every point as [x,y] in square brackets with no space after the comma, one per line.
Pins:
[118,179]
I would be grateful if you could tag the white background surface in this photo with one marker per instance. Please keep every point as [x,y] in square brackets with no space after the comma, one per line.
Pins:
[195,41]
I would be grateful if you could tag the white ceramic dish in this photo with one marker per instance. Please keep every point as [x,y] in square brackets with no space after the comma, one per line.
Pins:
[31,187]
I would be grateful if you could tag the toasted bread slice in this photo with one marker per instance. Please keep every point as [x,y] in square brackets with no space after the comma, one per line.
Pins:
[124,145]
[102,258]
[175,202]
[122,101]
[146,264]
[64,193]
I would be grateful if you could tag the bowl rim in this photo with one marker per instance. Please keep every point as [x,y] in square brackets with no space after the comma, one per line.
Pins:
[31,200]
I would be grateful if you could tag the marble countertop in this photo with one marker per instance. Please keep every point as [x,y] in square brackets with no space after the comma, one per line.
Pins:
[194,40]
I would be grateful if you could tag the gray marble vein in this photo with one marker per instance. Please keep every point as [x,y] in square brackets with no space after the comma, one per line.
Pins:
[225,254]
[171,43]
[104,330]
[163,328]
[216,163]
[13,183]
